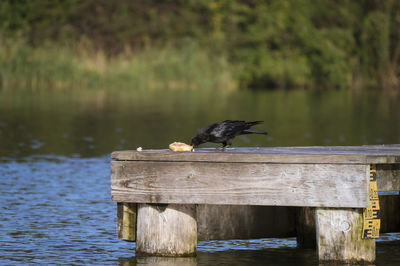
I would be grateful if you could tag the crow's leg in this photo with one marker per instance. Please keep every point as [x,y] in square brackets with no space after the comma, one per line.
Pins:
[223,146]
[226,144]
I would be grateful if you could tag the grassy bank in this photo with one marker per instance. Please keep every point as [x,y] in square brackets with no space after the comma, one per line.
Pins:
[188,66]
[271,44]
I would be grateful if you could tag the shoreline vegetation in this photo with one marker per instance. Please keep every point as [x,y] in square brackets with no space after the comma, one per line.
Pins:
[200,45]
[50,66]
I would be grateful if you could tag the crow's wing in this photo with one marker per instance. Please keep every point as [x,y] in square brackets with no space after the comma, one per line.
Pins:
[226,129]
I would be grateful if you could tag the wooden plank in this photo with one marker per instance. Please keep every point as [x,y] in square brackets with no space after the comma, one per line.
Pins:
[169,230]
[126,221]
[339,234]
[334,155]
[388,177]
[237,157]
[218,222]
[311,185]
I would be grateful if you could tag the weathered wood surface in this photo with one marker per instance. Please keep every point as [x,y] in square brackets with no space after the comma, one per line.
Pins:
[388,177]
[164,261]
[312,185]
[166,230]
[126,221]
[339,234]
[374,154]
[219,222]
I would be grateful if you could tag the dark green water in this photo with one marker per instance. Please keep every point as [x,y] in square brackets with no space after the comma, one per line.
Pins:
[94,123]
[54,164]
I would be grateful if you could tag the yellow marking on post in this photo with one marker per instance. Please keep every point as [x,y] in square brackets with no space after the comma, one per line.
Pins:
[371,217]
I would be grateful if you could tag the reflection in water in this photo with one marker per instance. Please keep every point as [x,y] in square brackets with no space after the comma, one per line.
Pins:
[165,261]
[93,123]
[387,254]
[274,256]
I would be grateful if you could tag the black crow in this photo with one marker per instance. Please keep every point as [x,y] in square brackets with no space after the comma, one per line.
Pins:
[223,132]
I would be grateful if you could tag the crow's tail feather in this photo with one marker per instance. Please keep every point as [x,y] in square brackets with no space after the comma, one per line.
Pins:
[254,131]
[254,123]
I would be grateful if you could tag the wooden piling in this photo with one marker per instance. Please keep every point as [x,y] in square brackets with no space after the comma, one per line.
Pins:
[166,230]
[339,236]
[126,221]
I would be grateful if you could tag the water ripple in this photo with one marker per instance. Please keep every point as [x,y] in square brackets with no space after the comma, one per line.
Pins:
[58,210]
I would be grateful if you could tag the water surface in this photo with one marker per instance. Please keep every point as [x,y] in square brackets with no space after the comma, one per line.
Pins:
[93,123]
[55,176]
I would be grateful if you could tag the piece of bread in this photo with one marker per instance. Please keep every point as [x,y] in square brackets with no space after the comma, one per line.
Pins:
[179,146]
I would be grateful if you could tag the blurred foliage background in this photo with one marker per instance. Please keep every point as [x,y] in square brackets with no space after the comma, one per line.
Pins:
[188,44]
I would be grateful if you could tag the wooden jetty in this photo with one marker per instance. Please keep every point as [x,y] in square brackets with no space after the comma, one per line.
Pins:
[167,201]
